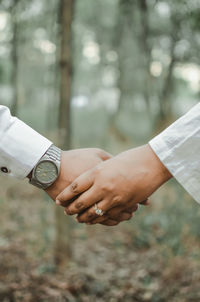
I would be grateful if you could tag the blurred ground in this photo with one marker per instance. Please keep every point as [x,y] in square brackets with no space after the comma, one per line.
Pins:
[155,257]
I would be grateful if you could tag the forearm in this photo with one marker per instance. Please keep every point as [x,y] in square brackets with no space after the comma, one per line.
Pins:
[163,173]
[146,161]
[20,146]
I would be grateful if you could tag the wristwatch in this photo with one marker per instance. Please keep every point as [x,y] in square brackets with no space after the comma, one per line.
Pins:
[47,169]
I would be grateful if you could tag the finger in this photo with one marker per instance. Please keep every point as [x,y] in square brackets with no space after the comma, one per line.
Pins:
[66,203]
[145,202]
[121,217]
[78,186]
[104,155]
[90,214]
[120,213]
[132,208]
[105,205]
[113,213]
[116,214]
[125,216]
[110,222]
[84,201]
[99,219]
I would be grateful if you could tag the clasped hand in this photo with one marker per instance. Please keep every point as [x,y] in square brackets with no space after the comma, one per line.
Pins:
[115,184]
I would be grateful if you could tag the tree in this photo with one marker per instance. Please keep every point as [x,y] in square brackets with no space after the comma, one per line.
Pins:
[14,57]
[165,114]
[123,20]
[145,48]
[63,223]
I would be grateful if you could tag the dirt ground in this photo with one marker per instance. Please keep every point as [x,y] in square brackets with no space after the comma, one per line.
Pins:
[155,257]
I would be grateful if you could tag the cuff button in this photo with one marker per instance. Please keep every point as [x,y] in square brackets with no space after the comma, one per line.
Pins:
[4,170]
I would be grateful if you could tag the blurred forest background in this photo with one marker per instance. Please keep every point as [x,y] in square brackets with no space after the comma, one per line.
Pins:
[109,74]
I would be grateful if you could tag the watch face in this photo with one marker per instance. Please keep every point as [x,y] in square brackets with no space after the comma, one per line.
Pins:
[46,172]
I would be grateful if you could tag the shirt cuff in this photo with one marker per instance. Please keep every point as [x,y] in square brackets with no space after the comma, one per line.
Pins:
[21,148]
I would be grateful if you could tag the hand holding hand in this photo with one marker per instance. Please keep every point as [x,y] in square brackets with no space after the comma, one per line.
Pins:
[74,163]
[122,181]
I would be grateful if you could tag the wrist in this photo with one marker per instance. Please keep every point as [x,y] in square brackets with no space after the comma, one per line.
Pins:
[60,183]
[163,173]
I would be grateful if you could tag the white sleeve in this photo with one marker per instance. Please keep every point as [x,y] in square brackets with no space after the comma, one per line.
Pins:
[178,147]
[20,146]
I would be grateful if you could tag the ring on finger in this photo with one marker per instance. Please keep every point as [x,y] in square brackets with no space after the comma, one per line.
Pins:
[98,211]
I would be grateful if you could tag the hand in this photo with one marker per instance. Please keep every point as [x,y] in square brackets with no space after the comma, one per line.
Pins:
[117,214]
[74,163]
[122,181]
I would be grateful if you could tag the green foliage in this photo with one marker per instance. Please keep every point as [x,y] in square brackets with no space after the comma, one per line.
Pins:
[171,223]
[122,52]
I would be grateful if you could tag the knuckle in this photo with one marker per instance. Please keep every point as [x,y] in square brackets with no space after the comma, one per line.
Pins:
[79,205]
[107,187]
[117,200]
[74,187]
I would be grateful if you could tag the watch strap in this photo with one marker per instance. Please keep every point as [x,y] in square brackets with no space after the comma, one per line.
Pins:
[53,153]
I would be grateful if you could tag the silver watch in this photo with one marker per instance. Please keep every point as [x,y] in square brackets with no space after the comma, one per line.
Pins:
[47,169]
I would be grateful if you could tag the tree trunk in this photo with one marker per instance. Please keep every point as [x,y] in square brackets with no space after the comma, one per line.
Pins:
[165,115]
[121,26]
[146,51]
[66,15]
[63,223]
[14,59]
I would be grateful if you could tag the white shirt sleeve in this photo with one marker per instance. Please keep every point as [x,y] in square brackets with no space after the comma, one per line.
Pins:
[20,146]
[178,147]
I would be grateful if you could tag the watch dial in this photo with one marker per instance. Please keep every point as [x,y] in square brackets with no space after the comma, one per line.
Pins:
[46,172]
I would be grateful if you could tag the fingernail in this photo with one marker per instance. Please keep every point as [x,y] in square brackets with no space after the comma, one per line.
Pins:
[65,213]
[58,202]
